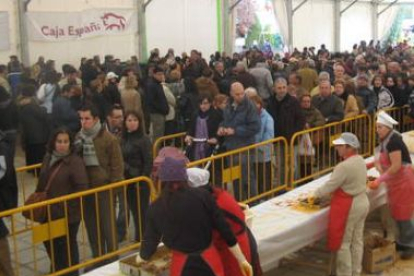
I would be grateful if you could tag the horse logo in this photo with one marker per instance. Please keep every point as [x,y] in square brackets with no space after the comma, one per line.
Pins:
[113,21]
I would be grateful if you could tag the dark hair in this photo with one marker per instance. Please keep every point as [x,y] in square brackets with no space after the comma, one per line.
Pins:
[203,97]
[115,107]
[377,77]
[51,77]
[91,108]
[27,90]
[67,88]
[52,141]
[137,115]
[207,73]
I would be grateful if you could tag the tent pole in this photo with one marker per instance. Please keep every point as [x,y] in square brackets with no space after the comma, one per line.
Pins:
[22,6]
[337,24]
[142,31]
[374,19]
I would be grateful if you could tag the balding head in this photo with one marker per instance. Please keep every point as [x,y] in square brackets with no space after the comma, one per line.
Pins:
[237,92]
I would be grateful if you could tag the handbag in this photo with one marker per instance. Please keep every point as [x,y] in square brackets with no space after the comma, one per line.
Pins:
[40,213]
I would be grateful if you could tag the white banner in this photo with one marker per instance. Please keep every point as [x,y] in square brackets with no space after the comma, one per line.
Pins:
[61,26]
[4,31]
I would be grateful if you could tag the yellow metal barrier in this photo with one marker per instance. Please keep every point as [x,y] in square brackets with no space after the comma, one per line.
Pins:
[251,173]
[174,140]
[27,178]
[312,153]
[56,247]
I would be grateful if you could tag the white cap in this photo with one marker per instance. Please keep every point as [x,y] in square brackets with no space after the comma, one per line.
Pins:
[111,75]
[347,138]
[198,177]
[384,119]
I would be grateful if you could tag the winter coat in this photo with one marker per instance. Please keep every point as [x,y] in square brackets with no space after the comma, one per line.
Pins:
[112,94]
[63,114]
[331,107]
[246,79]
[131,100]
[46,94]
[171,103]
[287,116]
[351,108]
[313,116]
[111,165]
[33,121]
[245,121]
[9,115]
[8,183]
[136,154]
[155,98]
[264,81]
[369,99]
[385,98]
[266,132]
[70,178]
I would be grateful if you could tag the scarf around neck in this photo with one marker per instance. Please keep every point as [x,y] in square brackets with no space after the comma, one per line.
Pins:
[86,137]
[56,156]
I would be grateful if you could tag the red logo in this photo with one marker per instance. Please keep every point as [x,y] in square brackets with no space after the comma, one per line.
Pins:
[113,21]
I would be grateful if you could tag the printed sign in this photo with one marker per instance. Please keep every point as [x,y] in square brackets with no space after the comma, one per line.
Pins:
[60,26]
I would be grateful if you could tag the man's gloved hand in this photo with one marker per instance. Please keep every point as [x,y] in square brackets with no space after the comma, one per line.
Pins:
[245,267]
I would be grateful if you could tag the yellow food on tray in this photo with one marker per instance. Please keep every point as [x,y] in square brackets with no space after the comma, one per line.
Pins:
[159,265]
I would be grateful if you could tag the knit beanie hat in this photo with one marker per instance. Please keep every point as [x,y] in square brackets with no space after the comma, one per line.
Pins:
[173,170]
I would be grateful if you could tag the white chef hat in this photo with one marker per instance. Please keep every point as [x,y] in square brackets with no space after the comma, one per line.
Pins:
[198,177]
[384,119]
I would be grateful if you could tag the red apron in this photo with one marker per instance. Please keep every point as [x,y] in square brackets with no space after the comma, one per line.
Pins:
[341,204]
[226,202]
[209,255]
[400,190]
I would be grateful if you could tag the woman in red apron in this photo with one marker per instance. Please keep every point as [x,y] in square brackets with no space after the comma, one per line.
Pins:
[349,206]
[184,218]
[199,178]
[394,164]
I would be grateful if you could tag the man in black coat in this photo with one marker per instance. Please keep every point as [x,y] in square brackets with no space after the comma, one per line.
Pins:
[8,200]
[157,103]
[285,110]
[288,117]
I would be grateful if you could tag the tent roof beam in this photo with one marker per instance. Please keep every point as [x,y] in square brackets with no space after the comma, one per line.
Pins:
[387,7]
[146,4]
[348,7]
[231,8]
[299,6]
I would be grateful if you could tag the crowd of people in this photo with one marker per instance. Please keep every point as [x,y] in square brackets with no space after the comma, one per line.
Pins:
[95,125]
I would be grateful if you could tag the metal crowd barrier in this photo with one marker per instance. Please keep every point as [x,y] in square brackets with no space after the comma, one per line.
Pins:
[251,173]
[173,140]
[312,153]
[57,247]
[27,178]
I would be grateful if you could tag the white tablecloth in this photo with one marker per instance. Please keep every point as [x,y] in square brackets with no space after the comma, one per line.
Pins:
[280,231]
